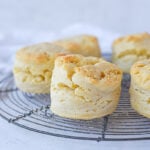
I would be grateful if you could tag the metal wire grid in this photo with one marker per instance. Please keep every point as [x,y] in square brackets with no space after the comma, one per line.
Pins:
[32,112]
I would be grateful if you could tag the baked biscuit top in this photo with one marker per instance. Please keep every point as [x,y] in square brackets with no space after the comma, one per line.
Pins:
[38,53]
[78,39]
[82,44]
[132,38]
[132,45]
[95,71]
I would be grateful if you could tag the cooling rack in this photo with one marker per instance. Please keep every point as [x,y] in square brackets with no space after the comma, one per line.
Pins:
[31,111]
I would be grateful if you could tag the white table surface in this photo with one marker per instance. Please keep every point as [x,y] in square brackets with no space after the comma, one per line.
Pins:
[15,138]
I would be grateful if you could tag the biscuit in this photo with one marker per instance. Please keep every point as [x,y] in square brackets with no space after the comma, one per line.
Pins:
[86,45]
[33,67]
[140,87]
[129,49]
[84,87]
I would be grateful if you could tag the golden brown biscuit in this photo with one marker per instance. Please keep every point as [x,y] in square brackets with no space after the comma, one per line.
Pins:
[140,87]
[86,45]
[84,87]
[33,67]
[129,49]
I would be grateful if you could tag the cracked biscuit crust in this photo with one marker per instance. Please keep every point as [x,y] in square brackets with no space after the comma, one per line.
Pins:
[129,49]
[84,87]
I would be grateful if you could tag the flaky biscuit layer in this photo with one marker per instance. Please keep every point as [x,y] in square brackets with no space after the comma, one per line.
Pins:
[140,87]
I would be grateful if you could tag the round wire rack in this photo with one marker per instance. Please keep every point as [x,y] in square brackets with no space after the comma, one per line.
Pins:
[31,111]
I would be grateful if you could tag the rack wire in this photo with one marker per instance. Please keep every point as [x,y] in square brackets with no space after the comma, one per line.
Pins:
[31,111]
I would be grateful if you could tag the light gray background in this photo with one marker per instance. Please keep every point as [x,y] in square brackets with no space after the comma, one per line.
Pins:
[122,16]
[43,16]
